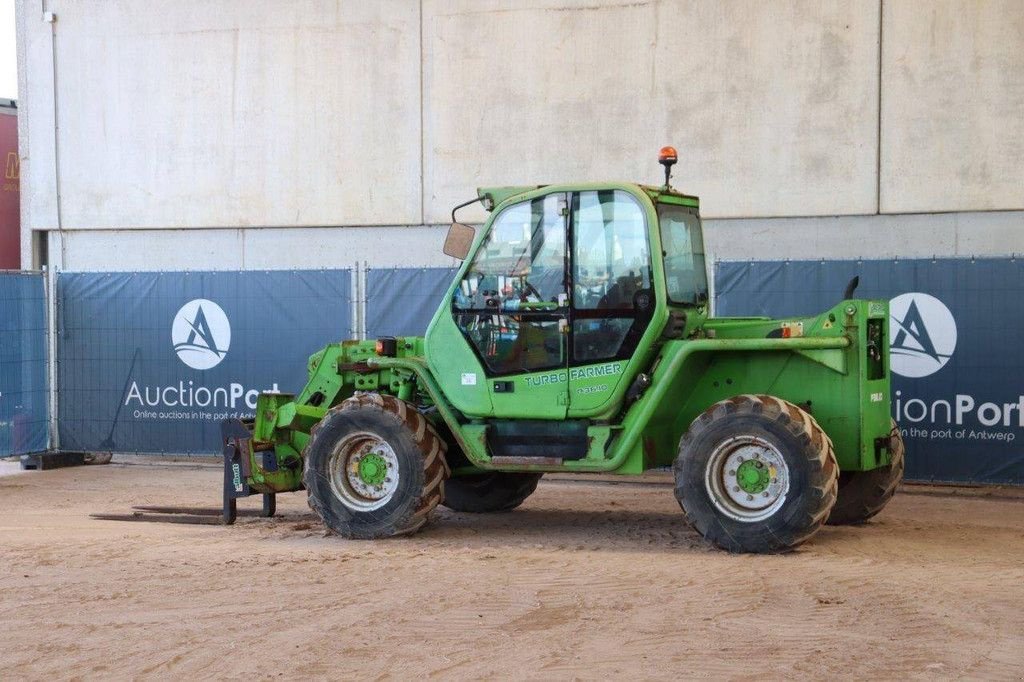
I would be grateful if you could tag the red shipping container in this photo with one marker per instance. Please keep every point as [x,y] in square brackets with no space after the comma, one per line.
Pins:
[10,199]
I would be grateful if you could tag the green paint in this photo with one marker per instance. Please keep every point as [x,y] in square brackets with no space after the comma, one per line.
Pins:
[752,476]
[373,469]
[702,361]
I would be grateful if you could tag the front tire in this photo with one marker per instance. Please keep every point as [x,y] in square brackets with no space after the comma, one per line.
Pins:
[756,473]
[862,494]
[493,491]
[374,468]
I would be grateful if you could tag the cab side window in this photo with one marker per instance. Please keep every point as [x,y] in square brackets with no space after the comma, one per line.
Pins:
[612,296]
[513,294]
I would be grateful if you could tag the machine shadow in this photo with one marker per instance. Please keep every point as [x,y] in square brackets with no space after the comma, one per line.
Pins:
[596,530]
[540,526]
[618,530]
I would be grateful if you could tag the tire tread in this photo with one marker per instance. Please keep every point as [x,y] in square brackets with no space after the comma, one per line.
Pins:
[863,494]
[802,426]
[430,445]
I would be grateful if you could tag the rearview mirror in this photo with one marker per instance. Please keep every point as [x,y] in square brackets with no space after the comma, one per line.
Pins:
[459,240]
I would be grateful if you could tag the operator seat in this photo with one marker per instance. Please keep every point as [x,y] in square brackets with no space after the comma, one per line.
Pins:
[537,346]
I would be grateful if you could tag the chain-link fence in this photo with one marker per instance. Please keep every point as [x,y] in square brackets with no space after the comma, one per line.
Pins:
[402,301]
[151,362]
[24,345]
[957,349]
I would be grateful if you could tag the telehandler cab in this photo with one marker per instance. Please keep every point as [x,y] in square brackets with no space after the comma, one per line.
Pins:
[577,337]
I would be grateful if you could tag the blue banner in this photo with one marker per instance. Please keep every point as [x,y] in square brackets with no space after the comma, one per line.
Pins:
[24,422]
[956,336]
[152,362]
[402,301]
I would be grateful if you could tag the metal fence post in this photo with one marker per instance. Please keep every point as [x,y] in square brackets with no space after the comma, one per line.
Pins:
[50,288]
[364,297]
[356,302]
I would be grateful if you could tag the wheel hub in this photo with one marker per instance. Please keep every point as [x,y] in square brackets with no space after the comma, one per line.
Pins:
[747,478]
[753,476]
[372,469]
[364,471]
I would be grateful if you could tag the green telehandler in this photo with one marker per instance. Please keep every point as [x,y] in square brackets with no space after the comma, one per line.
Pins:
[576,337]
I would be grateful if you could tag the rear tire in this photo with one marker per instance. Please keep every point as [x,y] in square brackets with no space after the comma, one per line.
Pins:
[374,468]
[493,491]
[862,494]
[756,473]
[98,457]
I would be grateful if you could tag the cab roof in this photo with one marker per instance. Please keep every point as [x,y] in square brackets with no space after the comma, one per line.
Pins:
[495,196]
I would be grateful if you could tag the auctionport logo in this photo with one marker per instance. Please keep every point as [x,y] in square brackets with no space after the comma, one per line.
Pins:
[201,334]
[922,335]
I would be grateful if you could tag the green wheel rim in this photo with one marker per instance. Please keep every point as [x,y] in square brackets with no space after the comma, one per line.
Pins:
[373,469]
[753,476]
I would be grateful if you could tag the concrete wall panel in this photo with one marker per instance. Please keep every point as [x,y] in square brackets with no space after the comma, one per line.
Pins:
[186,114]
[943,235]
[307,248]
[149,250]
[952,105]
[381,247]
[35,122]
[773,106]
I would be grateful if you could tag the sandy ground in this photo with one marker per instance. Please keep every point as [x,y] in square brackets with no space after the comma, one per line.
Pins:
[587,580]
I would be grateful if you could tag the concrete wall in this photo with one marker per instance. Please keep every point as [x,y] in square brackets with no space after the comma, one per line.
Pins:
[952,106]
[224,135]
[251,249]
[183,114]
[772,105]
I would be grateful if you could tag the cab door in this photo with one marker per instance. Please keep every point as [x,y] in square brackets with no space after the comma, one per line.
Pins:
[512,308]
[613,300]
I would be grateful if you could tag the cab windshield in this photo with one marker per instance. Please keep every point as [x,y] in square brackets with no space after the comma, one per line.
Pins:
[682,246]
